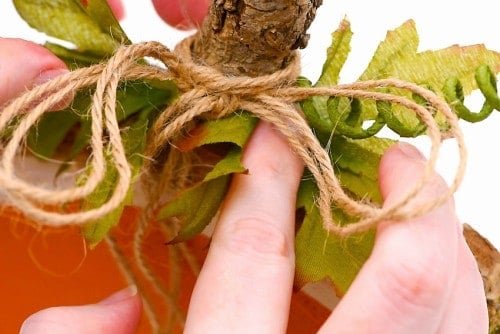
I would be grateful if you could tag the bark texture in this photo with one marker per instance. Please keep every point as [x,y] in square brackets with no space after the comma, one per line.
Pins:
[254,37]
[488,260]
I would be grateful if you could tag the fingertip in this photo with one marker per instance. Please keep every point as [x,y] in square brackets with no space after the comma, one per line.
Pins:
[252,242]
[117,8]
[401,168]
[38,55]
[25,64]
[401,161]
[268,153]
[129,292]
[401,151]
[128,302]
[129,311]
[184,14]
[119,313]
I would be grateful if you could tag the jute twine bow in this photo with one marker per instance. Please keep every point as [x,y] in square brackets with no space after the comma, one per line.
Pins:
[206,92]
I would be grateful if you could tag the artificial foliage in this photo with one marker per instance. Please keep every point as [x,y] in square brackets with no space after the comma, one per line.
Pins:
[347,128]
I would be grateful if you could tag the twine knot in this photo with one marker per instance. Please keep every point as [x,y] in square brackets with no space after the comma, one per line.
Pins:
[205,92]
[225,105]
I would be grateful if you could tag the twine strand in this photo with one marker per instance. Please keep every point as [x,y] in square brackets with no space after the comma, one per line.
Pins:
[210,94]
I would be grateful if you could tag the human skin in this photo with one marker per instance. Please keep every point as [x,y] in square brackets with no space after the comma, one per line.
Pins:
[420,278]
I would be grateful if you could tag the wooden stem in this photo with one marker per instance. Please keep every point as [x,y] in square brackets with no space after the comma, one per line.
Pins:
[254,37]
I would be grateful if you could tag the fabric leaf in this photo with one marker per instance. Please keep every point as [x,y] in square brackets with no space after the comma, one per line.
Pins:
[322,255]
[398,57]
[134,140]
[137,100]
[337,55]
[356,163]
[235,129]
[46,138]
[315,108]
[196,206]
[50,132]
[100,11]
[398,44]
[73,58]
[69,20]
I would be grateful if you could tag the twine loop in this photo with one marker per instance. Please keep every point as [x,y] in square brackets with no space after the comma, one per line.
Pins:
[208,93]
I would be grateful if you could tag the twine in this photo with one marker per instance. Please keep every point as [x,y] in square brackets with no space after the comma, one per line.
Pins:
[207,92]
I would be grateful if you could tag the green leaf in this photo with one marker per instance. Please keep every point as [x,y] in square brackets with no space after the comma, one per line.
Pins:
[96,231]
[316,114]
[100,11]
[315,108]
[235,129]
[73,58]
[134,140]
[322,255]
[70,21]
[135,96]
[398,57]
[356,162]
[397,46]
[318,254]
[196,206]
[80,143]
[229,165]
[45,138]
[50,132]
[337,55]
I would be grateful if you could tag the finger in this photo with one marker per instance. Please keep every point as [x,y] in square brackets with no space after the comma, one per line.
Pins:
[183,14]
[23,65]
[117,8]
[118,313]
[405,285]
[467,302]
[246,282]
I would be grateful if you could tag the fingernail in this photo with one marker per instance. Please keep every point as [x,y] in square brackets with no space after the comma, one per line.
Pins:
[49,75]
[120,296]
[410,151]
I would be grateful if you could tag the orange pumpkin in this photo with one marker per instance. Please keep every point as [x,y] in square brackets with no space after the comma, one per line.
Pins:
[49,267]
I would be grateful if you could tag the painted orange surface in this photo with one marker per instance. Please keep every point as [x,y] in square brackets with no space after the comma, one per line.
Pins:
[49,267]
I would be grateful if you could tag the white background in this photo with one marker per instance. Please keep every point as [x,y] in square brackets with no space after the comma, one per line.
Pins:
[440,24]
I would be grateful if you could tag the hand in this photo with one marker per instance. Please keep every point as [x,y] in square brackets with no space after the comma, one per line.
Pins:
[421,277]
[24,64]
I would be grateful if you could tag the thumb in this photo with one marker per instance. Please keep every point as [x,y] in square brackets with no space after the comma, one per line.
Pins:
[24,64]
[119,313]
[183,14]
[405,285]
